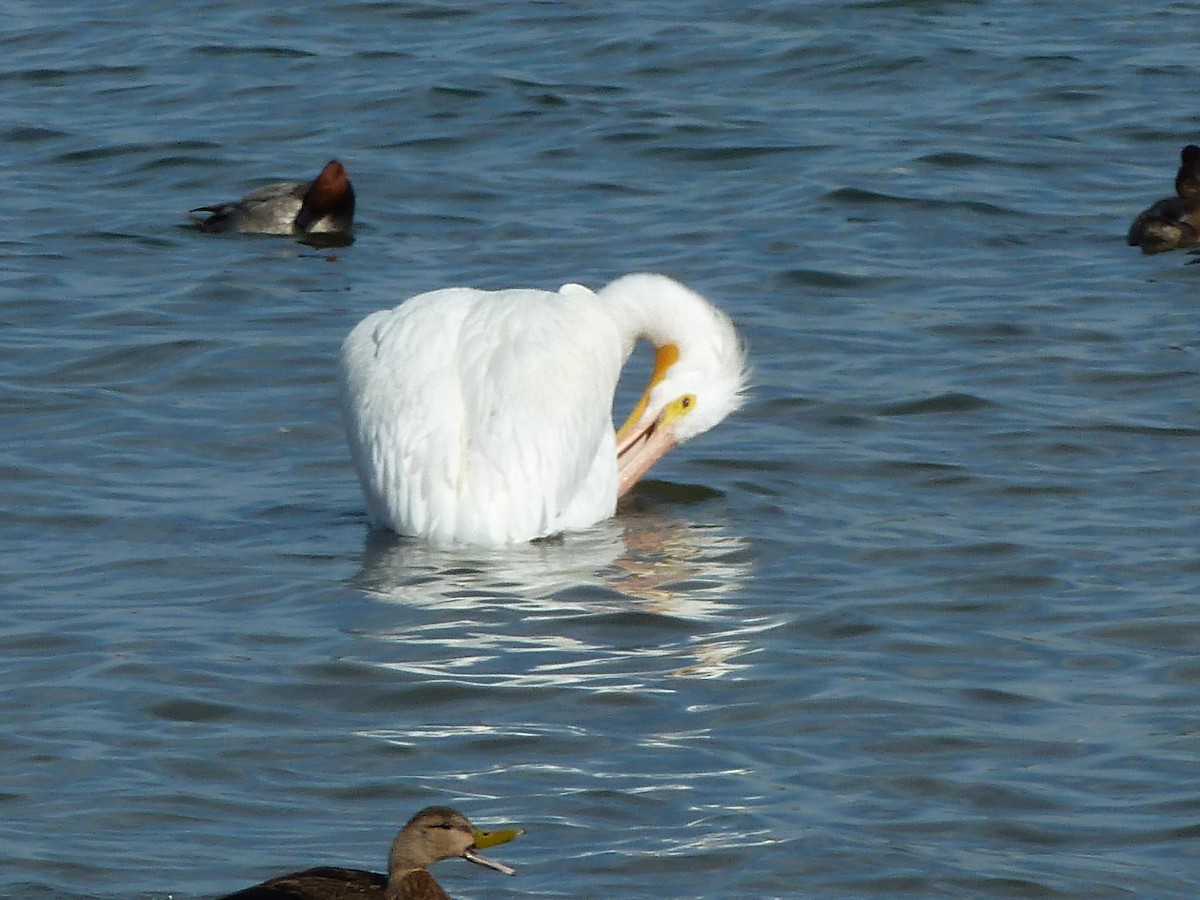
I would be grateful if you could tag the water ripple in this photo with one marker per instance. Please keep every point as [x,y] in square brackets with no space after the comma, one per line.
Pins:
[918,619]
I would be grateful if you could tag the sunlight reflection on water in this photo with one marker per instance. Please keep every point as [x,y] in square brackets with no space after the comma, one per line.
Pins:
[612,609]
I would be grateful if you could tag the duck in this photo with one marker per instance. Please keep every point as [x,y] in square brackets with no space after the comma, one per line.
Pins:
[433,834]
[1173,222]
[484,418]
[323,206]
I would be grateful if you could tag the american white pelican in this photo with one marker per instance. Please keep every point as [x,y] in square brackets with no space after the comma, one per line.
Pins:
[433,834]
[485,417]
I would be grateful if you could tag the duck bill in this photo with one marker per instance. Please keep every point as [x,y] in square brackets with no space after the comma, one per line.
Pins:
[493,838]
[482,860]
[639,448]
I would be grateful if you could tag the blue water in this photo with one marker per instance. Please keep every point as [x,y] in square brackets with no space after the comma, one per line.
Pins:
[921,620]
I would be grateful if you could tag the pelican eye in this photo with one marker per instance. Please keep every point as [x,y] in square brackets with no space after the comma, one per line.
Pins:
[677,409]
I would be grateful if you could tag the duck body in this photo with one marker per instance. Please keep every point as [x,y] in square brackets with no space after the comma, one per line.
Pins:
[485,417]
[324,205]
[326,882]
[333,883]
[1173,222]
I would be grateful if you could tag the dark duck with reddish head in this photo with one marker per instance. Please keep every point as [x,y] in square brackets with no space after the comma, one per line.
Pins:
[323,206]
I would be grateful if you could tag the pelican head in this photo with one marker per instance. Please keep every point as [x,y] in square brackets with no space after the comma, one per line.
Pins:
[699,374]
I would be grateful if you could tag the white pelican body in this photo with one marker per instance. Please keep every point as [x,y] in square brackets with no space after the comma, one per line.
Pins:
[485,417]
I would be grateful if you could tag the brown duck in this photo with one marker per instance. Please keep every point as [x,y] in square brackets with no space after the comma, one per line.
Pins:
[433,834]
[1173,222]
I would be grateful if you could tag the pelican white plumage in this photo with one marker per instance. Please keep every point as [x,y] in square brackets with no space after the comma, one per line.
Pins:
[485,417]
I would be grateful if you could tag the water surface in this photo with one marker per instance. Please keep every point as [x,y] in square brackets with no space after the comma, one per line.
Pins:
[919,621]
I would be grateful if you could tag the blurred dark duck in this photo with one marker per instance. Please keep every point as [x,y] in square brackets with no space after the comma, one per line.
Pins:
[324,205]
[433,834]
[1173,222]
